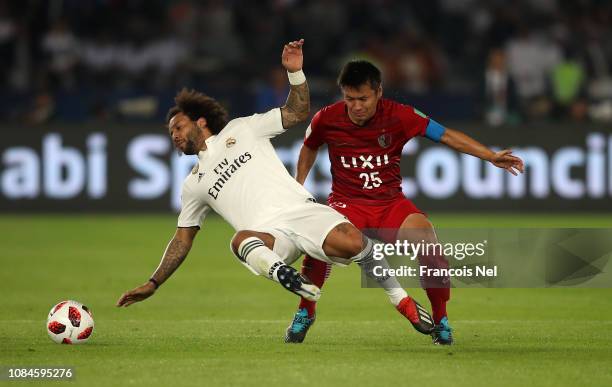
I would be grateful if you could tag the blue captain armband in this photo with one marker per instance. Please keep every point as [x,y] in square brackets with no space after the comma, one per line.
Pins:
[434,131]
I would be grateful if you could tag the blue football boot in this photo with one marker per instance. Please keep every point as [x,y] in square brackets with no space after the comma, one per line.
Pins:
[442,333]
[296,332]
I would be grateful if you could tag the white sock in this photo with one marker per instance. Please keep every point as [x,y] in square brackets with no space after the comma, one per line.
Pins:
[396,295]
[367,263]
[264,261]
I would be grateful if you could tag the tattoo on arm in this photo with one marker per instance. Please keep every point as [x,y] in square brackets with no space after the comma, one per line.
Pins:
[175,254]
[297,107]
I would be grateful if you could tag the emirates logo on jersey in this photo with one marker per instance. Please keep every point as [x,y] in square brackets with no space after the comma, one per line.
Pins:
[225,170]
[384,140]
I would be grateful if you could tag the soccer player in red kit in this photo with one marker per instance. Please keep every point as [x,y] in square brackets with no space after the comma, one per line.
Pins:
[365,134]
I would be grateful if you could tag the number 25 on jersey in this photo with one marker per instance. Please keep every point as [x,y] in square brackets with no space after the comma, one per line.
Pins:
[370,180]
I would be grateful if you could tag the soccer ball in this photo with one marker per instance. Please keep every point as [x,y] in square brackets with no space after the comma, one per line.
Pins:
[70,322]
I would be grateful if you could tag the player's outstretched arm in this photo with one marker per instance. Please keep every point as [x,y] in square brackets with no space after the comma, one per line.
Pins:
[305,162]
[175,254]
[297,107]
[463,143]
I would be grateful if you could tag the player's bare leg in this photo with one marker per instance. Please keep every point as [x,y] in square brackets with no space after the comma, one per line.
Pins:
[417,228]
[255,250]
[346,241]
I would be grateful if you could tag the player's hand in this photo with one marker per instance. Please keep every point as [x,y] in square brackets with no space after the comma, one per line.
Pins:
[506,160]
[138,294]
[292,56]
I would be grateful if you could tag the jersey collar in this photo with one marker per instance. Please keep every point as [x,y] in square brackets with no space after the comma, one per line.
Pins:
[209,142]
[210,139]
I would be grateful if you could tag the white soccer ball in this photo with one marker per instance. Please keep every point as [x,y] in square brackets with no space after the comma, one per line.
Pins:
[70,322]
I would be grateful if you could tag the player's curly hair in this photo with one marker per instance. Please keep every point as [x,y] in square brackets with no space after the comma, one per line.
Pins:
[195,105]
[358,72]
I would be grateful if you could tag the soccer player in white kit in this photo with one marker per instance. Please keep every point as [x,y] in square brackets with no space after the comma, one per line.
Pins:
[239,176]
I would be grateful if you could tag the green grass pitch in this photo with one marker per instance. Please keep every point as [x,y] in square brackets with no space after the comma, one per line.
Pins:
[214,323]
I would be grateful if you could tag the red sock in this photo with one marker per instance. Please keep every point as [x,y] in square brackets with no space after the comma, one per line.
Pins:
[438,298]
[316,271]
[437,288]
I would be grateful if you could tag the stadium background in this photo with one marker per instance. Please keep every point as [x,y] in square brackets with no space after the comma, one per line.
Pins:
[89,183]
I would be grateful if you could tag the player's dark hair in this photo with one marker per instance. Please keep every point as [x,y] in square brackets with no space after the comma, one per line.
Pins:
[197,105]
[358,72]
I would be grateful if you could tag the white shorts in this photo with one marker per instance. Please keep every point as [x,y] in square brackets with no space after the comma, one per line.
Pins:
[303,229]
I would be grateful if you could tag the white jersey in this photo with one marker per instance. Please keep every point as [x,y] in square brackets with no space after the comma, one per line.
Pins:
[240,177]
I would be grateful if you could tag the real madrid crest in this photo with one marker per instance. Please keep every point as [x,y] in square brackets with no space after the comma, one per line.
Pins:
[230,142]
[384,140]
[195,168]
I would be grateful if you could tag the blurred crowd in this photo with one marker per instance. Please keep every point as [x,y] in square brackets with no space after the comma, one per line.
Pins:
[513,61]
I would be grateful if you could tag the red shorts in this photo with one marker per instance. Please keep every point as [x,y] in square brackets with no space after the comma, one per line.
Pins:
[385,216]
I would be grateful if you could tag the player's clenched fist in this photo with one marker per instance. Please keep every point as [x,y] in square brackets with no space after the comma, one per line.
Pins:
[292,56]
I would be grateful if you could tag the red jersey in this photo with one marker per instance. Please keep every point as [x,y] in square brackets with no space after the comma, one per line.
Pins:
[365,160]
